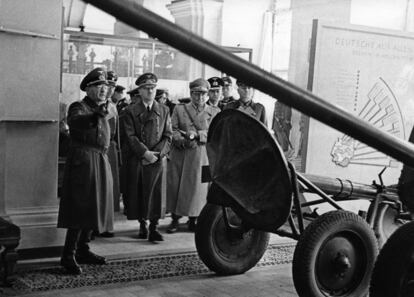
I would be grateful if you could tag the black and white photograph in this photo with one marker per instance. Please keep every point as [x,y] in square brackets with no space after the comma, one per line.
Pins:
[207,148]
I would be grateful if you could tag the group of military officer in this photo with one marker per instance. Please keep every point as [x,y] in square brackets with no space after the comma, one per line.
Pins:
[150,135]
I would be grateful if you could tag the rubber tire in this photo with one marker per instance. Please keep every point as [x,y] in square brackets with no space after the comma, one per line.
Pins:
[382,233]
[394,265]
[209,224]
[332,225]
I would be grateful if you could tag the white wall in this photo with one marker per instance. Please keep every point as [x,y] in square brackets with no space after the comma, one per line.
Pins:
[242,23]
[380,13]
[29,115]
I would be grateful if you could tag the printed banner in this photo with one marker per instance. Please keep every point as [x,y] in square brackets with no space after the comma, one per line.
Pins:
[370,73]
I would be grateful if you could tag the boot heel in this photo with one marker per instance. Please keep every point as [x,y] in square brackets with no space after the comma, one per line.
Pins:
[70,265]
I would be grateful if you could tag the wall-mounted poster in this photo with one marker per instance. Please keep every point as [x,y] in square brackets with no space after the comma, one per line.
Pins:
[370,73]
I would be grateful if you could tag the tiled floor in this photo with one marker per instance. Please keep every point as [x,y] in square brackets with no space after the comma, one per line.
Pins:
[126,244]
[260,281]
[270,281]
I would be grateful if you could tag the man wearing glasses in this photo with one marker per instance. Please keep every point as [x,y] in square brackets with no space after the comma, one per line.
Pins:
[147,130]
[190,122]
[87,195]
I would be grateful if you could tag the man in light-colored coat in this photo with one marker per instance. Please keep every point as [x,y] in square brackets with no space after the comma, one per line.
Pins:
[190,122]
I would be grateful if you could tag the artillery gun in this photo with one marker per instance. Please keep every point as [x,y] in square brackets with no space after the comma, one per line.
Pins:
[252,218]
[255,191]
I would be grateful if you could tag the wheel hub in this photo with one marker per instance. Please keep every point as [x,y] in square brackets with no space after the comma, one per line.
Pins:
[233,240]
[341,264]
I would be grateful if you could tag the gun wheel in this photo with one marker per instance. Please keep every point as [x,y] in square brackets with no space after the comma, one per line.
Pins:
[393,274]
[223,250]
[335,256]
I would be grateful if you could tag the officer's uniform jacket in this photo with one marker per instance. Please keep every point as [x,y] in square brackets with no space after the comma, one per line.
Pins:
[214,106]
[251,108]
[223,102]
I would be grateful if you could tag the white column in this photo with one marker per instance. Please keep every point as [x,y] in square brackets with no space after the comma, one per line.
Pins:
[204,18]
[29,118]
[409,20]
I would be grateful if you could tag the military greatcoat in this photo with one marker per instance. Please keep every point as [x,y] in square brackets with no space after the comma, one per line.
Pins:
[114,150]
[87,195]
[146,184]
[186,194]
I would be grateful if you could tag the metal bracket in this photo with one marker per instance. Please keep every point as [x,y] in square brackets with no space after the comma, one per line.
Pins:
[27,33]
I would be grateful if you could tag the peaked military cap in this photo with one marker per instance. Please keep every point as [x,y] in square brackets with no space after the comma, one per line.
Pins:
[96,76]
[227,81]
[146,79]
[242,83]
[119,88]
[112,77]
[199,85]
[160,92]
[133,92]
[215,82]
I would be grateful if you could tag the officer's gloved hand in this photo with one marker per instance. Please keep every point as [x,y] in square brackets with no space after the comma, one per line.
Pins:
[102,110]
[191,135]
[150,157]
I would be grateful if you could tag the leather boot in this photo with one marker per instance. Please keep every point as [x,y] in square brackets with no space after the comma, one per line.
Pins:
[192,224]
[154,235]
[107,234]
[83,254]
[173,227]
[68,260]
[143,231]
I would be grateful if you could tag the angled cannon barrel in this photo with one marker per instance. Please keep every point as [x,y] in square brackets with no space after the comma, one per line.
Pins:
[140,18]
[346,189]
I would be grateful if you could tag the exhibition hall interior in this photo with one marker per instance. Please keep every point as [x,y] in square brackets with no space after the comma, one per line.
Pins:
[273,138]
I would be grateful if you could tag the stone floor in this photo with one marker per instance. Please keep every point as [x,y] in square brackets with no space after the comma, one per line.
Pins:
[126,244]
[269,281]
[265,280]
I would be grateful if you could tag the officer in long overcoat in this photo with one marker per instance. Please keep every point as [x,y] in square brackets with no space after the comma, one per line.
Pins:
[147,128]
[186,193]
[114,149]
[246,104]
[87,197]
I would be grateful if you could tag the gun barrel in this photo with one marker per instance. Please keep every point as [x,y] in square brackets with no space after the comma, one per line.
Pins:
[346,189]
